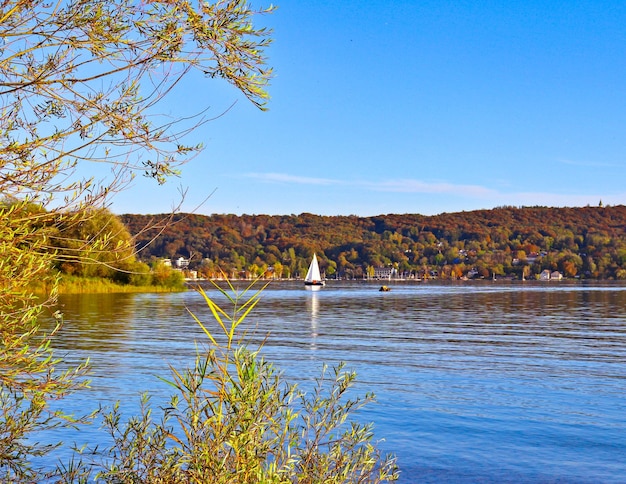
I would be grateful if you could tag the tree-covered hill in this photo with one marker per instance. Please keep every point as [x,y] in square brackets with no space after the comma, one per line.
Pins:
[579,242]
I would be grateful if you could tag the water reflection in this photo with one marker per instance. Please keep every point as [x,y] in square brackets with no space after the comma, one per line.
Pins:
[103,319]
[313,309]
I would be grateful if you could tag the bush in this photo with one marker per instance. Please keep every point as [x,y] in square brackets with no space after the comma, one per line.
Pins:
[140,275]
[165,276]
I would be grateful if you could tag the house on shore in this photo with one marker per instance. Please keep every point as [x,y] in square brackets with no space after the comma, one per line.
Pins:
[385,273]
[546,275]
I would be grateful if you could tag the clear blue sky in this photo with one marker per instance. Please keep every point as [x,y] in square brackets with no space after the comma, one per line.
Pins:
[424,107]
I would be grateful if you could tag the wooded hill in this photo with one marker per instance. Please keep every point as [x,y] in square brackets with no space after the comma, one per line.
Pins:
[587,242]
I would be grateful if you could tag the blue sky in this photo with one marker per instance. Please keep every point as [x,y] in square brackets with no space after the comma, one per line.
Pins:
[415,107]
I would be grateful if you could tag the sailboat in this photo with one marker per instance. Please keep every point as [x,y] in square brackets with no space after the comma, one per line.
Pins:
[313,277]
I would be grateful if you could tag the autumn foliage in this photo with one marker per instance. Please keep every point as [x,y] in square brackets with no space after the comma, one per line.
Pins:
[588,242]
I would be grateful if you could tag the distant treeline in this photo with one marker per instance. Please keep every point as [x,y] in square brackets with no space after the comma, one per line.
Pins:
[587,242]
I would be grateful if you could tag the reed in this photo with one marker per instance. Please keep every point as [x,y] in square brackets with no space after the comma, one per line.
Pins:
[100,285]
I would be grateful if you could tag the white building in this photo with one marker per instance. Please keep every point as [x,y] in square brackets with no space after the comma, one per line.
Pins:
[385,273]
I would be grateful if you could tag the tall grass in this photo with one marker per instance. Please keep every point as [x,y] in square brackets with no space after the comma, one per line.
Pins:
[100,285]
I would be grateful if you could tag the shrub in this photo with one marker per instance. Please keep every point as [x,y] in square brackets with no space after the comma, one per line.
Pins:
[165,276]
[140,275]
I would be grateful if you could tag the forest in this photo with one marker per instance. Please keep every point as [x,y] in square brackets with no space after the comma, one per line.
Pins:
[517,242]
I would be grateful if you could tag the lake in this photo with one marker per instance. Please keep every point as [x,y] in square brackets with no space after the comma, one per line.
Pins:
[489,381]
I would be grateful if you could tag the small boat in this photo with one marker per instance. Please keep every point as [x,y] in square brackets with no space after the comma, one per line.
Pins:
[313,277]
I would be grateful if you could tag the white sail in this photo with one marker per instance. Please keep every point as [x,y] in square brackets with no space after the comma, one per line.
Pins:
[313,275]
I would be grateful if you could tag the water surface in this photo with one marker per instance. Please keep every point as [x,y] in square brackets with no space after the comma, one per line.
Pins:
[476,382]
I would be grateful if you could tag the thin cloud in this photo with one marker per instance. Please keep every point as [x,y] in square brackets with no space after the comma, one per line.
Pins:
[487,195]
[399,185]
[286,178]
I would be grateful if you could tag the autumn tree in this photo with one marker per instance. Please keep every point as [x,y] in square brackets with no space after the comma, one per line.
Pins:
[82,83]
